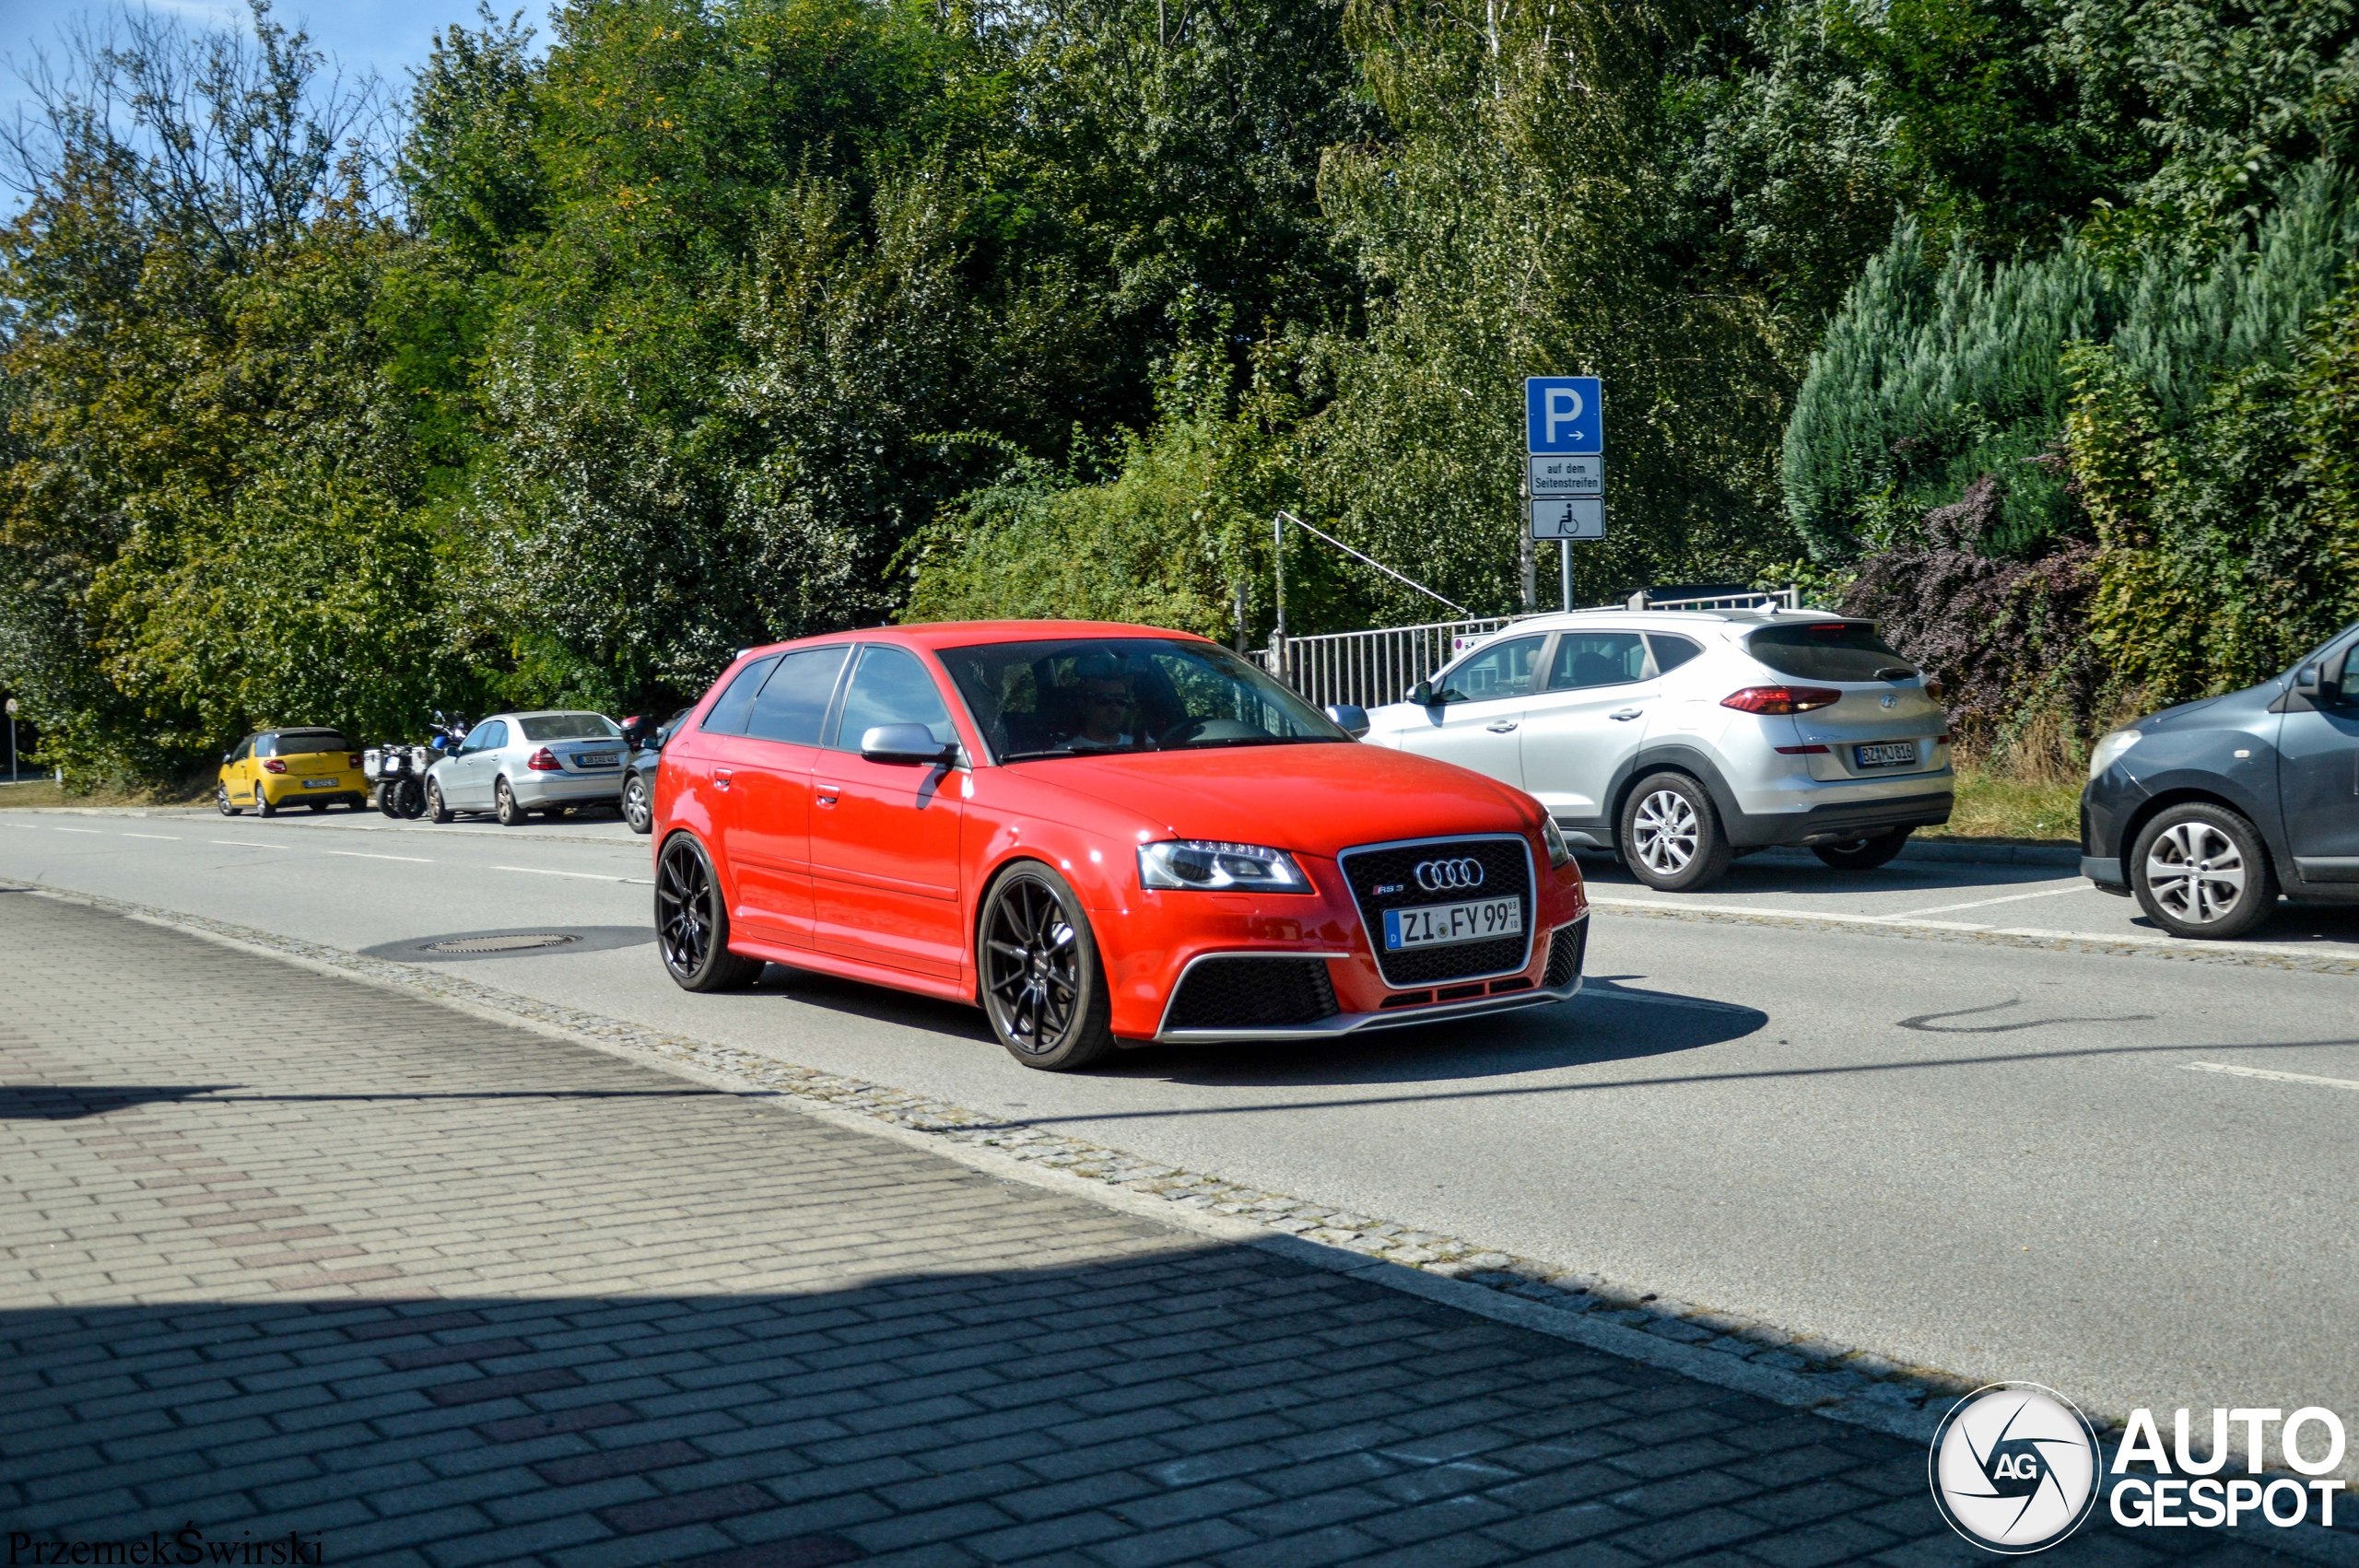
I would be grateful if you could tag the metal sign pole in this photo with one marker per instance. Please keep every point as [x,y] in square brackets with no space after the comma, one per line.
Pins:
[1566,547]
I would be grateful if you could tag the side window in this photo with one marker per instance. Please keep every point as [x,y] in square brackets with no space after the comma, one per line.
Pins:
[486,737]
[2347,688]
[1671,652]
[891,687]
[1502,669]
[727,716]
[245,749]
[265,745]
[795,700]
[1597,658]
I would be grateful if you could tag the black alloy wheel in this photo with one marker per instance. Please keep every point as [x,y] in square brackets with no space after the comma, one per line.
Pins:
[638,807]
[262,804]
[692,921]
[1043,987]
[436,808]
[1862,854]
[504,806]
[221,802]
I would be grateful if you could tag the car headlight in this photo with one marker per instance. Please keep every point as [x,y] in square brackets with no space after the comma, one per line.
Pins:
[2108,750]
[1207,864]
[1559,852]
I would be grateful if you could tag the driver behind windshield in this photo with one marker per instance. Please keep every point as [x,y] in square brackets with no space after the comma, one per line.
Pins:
[1108,711]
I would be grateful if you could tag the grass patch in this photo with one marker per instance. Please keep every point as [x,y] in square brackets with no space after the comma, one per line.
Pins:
[192,791]
[2000,803]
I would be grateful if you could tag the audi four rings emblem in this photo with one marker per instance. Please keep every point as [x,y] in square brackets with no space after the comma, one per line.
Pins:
[1435,875]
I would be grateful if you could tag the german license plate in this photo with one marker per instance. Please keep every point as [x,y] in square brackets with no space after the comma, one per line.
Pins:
[320,783]
[598,759]
[1433,925]
[1885,754]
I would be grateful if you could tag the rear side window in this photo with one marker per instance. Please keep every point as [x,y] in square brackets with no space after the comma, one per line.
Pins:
[727,716]
[303,742]
[1829,650]
[793,703]
[891,687]
[1597,658]
[1671,652]
[1504,669]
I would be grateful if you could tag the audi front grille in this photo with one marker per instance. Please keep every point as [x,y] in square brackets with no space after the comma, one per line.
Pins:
[1506,860]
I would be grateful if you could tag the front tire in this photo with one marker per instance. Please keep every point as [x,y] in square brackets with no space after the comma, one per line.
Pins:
[504,806]
[1670,835]
[438,810]
[638,807]
[221,802]
[692,921]
[1043,985]
[1862,854]
[2201,871]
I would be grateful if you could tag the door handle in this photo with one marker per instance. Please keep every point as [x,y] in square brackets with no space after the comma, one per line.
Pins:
[827,799]
[1501,726]
[1625,713]
[721,778]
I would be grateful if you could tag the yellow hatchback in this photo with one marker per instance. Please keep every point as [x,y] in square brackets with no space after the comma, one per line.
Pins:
[280,767]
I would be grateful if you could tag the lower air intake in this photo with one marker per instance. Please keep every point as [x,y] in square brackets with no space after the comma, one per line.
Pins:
[1565,951]
[1253,993]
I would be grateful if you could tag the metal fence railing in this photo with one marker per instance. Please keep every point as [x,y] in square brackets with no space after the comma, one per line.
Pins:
[1369,668]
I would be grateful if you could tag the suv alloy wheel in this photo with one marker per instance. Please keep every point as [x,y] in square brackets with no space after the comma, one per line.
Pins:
[2201,871]
[1670,835]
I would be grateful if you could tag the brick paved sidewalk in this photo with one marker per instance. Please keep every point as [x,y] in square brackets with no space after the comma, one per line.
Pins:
[285,1255]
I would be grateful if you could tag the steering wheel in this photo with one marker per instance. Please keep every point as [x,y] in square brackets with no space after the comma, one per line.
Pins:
[1179,731]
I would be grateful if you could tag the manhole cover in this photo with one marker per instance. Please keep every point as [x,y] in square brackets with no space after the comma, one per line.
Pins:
[515,943]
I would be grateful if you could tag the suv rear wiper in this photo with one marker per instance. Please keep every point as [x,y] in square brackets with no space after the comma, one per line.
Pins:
[1894,672]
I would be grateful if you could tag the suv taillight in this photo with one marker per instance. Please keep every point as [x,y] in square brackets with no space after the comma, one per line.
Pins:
[1782,699]
[543,760]
[272,765]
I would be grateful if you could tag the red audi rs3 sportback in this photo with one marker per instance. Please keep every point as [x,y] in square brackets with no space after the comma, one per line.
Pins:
[1103,835]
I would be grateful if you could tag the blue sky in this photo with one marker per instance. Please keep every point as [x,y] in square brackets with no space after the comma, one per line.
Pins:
[391,35]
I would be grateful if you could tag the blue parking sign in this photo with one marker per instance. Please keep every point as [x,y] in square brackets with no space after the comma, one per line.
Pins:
[1563,413]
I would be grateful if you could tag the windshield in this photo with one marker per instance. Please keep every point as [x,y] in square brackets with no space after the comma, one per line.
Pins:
[1829,650]
[1075,698]
[569,727]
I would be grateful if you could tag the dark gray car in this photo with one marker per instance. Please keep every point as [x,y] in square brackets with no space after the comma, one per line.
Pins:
[2208,811]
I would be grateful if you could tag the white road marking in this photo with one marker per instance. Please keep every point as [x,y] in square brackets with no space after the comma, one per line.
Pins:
[364,855]
[159,838]
[91,831]
[2077,887]
[585,876]
[2273,1076]
[249,844]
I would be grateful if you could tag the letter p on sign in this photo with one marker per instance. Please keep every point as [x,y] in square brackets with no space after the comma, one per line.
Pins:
[1562,415]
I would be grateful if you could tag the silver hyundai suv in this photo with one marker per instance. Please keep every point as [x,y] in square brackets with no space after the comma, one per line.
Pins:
[1682,739]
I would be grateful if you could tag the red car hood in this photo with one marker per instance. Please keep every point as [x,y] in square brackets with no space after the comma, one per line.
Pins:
[1317,798]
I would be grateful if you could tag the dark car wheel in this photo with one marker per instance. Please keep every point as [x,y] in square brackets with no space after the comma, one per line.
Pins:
[692,921]
[1671,834]
[1862,854]
[1043,987]
[2201,871]
[437,809]
[504,806]
[638,807]
[221,800]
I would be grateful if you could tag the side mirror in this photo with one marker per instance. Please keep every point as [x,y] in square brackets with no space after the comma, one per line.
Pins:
[1349,718]
[912,744]
[229,757]
[1422,694]
[2305,682]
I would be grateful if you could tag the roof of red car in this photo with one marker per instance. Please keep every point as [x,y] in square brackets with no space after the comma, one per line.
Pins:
[966,634]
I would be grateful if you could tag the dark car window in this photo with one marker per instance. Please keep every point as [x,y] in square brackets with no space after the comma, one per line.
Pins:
[1829,650]
[727,715]
[487,737]
[303,742]
[1597,658]
[1671,652]
[1090,696]
[2346,690]
[569,727]
[891,687]
[1504,669]
[245,749]
[793,703]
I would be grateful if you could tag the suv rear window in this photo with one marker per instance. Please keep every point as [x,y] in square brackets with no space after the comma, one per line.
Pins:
[1829,650]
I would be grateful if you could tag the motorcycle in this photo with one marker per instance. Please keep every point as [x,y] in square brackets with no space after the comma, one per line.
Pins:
[399,772]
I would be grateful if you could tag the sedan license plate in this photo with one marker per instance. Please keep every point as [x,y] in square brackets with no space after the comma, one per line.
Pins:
[597,759]
[318,783]
[1885,754]
[1432,925]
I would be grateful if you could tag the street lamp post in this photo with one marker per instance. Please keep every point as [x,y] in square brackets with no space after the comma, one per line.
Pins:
[12,740]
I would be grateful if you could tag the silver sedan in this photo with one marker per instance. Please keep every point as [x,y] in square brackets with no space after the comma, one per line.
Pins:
[515,763]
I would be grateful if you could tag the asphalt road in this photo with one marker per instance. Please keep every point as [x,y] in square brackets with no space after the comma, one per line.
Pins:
[1967,1116]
